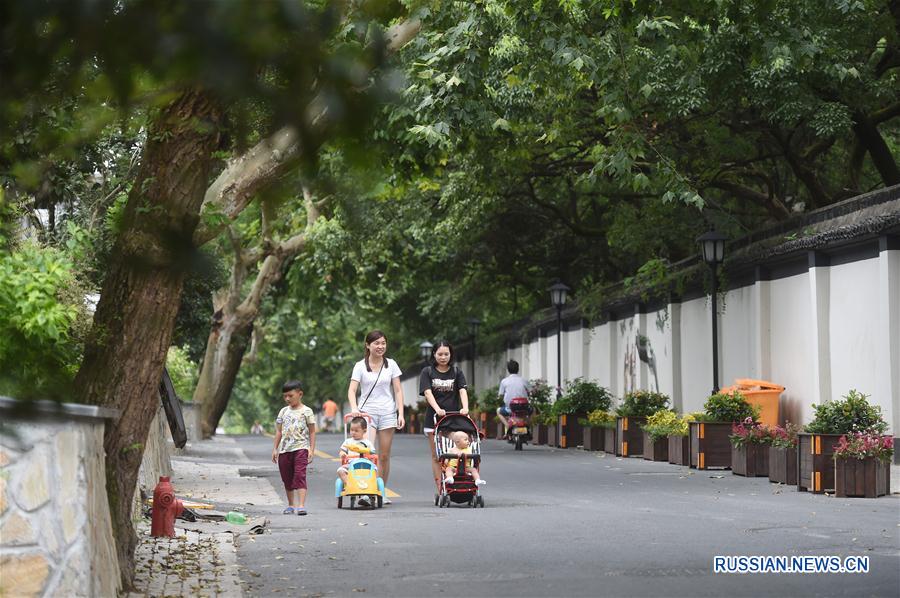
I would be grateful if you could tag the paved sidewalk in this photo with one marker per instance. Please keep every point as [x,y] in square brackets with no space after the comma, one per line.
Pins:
[191,564]
[201,560]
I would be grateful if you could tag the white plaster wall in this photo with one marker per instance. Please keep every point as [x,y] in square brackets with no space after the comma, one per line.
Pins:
[696,351]
[410,388]
[659,333]
[766,331]
[853,328]
[598,361]
[792,345]
[737,355]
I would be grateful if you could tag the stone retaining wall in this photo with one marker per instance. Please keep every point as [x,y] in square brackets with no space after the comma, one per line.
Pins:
[55,530]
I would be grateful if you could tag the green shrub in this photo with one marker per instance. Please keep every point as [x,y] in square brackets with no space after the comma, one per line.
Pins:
[182,371]
[539,394]
[666,423]
[581,396]
[487,401]
[600,418]
[642,403]
[39,307]
[851,414]
[723,407]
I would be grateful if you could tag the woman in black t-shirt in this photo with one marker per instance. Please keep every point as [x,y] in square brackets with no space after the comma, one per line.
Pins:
[444,387]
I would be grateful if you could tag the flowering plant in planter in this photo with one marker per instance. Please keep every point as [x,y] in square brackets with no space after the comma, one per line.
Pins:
[785,437]
[665,423]
[862,445]
[852,413]
[601,419]
[748,432]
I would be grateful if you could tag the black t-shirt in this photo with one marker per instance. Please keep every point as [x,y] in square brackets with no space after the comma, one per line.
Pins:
[444,386]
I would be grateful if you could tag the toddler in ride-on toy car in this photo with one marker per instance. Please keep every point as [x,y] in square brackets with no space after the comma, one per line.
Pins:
[355,446]
[462,446]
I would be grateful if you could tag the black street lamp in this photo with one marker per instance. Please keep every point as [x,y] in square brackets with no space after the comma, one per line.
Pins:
[558,294]
[425,350]
[712,246]
[474,323]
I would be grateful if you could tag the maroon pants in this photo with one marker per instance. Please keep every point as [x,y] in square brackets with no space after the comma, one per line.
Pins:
[292,466]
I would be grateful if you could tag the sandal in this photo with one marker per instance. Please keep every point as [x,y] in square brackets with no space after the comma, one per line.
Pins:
[301,511]
[288,511]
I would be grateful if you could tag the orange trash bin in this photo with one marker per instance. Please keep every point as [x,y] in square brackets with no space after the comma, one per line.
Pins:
[761,393]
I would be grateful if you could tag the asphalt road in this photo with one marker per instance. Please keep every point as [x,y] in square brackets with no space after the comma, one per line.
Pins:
[562,523]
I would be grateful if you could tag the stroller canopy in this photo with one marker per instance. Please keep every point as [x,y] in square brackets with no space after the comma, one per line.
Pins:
[456,422]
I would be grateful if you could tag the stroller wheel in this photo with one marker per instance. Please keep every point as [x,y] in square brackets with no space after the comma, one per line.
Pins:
[472,502]
[445,501]
[480,501]
[437,499]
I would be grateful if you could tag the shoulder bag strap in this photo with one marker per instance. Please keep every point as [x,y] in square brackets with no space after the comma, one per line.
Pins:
[383,363]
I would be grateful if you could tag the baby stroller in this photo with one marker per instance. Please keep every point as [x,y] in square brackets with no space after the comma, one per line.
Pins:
[463,488]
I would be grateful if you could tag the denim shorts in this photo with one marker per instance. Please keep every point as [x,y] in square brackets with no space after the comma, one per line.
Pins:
[504,411]
[383,422]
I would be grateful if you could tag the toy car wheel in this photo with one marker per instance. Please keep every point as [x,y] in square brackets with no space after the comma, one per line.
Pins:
[379,501]
[340,501]
[352,502]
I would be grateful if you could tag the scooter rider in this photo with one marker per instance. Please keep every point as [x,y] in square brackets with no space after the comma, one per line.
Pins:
[512,387]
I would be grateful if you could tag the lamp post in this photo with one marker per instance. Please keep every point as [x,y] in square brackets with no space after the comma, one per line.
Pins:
[474,323]
[712,246]
[558,294]
[425,350]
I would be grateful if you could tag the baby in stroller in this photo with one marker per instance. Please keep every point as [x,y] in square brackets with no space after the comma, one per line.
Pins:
[458,448]
[462,446]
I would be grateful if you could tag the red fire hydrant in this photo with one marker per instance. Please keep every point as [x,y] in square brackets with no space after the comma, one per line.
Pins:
[165,509]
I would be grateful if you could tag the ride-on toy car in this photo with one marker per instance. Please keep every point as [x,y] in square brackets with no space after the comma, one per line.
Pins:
[362,476]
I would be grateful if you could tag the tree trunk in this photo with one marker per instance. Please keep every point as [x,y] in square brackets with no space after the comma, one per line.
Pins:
[878,149]
[224,353]
[132,330]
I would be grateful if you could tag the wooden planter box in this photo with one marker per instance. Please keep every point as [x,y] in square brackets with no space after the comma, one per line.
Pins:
[815,462]
[486,424]
[869,477]
[751,460]
[592,438]
[553,435]
[655,450]
[679,450]
[539,434]
[783,465]
[629,436]
[710,445]
[609,440]
[570,430]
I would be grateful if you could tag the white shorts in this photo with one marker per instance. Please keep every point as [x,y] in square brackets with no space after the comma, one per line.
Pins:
[383,422]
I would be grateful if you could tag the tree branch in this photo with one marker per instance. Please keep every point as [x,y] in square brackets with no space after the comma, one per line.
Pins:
[269,159]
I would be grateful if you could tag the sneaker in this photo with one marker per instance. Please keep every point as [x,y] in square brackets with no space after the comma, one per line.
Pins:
[480,482]
[386,501]
[288,511]
[363,501]
[301,511]
[448,479]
